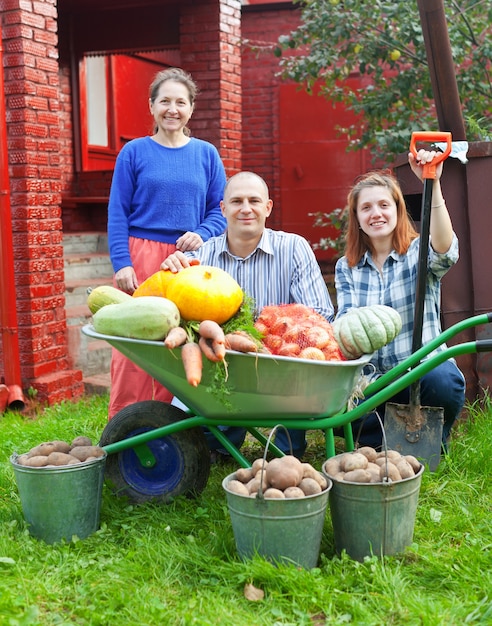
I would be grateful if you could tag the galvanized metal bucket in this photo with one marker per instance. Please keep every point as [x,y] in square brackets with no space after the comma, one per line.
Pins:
[373,518]
[60,502]
[286,530]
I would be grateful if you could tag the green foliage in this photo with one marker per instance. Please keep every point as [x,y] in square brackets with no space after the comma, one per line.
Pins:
[382,41]
[337,221]
[177,564]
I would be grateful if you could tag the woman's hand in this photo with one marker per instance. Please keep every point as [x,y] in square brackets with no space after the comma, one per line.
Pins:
[423,157]
[189,242]
[126,279]
[178,261]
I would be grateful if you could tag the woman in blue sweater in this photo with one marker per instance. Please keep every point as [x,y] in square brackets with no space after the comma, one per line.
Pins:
[165,196]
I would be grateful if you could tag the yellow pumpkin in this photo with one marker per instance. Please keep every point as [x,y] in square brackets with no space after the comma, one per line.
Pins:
[155,285]
[203,292]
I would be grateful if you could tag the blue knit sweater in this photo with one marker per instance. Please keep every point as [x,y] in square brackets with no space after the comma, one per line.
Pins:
[159,193]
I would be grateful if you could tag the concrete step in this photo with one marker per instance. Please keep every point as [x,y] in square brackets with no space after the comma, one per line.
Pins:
[87,265]
[93,265]
[98,384]
[76,291]
[85,242]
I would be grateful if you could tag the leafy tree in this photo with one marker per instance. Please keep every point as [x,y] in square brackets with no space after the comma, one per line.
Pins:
[382,42]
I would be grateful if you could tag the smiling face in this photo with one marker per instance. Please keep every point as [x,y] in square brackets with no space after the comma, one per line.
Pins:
[246,206]
[376,213]
[172,107]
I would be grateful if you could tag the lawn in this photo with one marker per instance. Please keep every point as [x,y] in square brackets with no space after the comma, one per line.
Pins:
[177,564]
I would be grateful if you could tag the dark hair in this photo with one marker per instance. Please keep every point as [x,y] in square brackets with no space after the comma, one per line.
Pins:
[357,242]
[177,75]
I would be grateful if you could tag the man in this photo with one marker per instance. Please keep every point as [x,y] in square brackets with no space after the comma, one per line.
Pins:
[273,267]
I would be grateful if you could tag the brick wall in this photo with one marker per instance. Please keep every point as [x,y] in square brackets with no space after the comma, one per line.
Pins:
[213,57]
[32,102]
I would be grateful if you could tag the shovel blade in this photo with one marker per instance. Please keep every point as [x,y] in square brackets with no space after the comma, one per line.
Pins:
[415,430]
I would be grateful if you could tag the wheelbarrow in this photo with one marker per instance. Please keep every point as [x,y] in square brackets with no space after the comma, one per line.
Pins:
[157,451]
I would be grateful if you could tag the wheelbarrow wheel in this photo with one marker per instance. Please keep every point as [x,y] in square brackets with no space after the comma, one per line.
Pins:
[182,459]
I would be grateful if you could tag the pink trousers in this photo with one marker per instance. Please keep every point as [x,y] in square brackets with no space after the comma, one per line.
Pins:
[129,383]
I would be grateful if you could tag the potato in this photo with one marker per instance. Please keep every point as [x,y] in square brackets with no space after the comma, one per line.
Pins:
[308,471]
[61,458]
[310,486]
[274,493]
[368,452]
[353,461]
[40,460]
[284,472]
[294,492]
[357,476]
[47,447]
[244,474]
[21,459]
[254,485]
[81,441]
[83,452]
[236,486]
[373,469]
[405,469]
[413,462]
[332,466]
[258,464]
[389,472]
[393,455]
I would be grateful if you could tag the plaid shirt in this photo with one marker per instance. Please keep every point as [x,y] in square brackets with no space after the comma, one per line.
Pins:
[363,285]
[282,269]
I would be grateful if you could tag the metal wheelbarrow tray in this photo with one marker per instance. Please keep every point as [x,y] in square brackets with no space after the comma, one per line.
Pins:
[157,451]
[260,385]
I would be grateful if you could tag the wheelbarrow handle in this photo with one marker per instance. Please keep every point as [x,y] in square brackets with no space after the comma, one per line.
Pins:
[429,169]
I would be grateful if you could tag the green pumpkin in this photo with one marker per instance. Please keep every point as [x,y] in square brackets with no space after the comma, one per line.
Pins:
[366,329]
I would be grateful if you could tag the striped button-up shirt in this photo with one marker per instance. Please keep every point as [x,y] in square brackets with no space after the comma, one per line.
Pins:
[281,270]
[395,286]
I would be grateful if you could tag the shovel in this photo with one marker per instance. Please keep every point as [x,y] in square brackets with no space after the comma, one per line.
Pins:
[412,428]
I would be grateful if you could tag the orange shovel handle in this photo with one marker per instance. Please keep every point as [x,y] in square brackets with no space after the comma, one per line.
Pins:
[429,170]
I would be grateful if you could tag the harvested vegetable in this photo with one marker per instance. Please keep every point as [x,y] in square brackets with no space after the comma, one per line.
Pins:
[203,292]
[366,465]
[295,330]
[282,477]
[60,453]
[191,356]
[365,329]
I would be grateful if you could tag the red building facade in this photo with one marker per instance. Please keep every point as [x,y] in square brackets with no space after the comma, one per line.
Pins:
[56,182]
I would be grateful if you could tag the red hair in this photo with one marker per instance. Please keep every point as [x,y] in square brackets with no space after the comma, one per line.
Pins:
[356,240]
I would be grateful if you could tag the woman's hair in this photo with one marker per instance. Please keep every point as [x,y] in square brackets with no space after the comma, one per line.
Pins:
[356,240]
[177,75]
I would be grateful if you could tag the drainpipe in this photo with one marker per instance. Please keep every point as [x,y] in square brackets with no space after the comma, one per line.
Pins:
[8,313]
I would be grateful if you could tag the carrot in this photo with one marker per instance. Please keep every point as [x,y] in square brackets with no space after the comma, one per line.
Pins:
[175,337]
[211,330]
[208,350]
[192,362]
[241,342]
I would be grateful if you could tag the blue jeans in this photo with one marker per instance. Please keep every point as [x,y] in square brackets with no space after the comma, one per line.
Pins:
[236,435]
[443,386]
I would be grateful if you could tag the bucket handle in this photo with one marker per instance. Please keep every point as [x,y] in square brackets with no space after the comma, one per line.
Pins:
[259,494]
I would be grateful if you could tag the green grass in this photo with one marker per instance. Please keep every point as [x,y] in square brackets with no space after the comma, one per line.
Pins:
[177,564]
